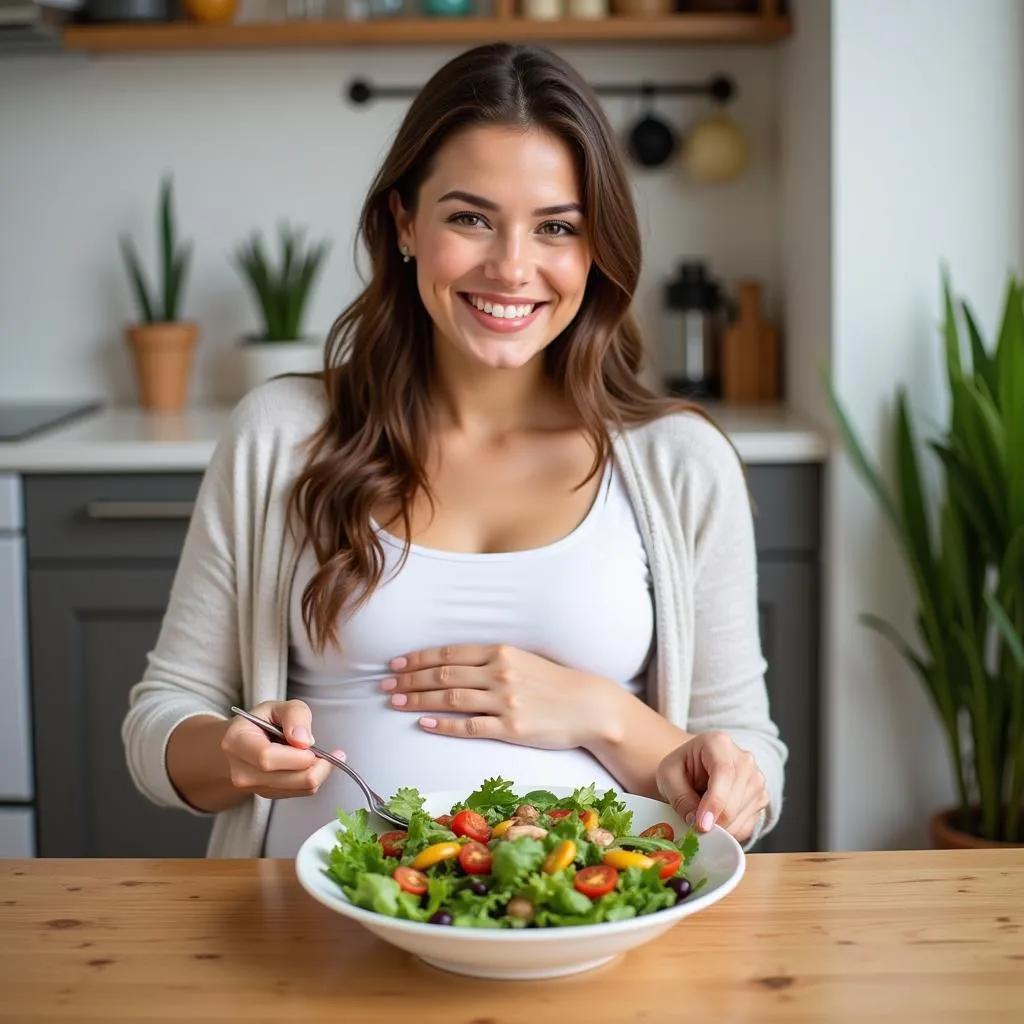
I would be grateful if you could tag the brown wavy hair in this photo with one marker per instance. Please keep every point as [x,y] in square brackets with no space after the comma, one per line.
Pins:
[371,448]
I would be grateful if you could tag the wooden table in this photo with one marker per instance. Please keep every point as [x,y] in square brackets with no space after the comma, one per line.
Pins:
[916,937]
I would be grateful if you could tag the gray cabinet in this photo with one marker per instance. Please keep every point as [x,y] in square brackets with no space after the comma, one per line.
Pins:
[787,527]
[102,553]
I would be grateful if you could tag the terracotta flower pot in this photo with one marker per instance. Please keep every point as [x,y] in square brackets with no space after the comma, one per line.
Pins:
[162,357]
[947,833]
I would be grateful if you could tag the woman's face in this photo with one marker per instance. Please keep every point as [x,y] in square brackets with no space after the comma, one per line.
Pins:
[500,247]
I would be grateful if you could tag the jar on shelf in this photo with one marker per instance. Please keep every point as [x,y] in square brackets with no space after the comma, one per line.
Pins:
[595,9]
[446,8]
[644,8]
[386,8]
[543,10]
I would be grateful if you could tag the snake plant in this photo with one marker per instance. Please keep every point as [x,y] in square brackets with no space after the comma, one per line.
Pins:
[163,303]
[281,292]
[963,545]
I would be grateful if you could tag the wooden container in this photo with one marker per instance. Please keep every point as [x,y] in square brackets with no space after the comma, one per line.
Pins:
[750,351]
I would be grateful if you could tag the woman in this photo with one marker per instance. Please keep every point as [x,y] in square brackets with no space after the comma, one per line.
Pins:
[476,546]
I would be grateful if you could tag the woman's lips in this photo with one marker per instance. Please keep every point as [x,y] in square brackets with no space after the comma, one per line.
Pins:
[502,325]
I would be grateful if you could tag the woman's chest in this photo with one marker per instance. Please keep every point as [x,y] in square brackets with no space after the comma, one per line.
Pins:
[582,601]
[497,500]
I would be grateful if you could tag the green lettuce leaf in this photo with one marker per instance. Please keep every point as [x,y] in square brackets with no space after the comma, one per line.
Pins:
[357,825]
[405,803]
[377,892]
[541,799]
[582,798]
[423,831]
[688,846]
[494,798]
[515,860]
[613,813]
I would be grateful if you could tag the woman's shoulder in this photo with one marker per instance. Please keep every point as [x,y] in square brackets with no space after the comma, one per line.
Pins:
[688,438]
[285,408]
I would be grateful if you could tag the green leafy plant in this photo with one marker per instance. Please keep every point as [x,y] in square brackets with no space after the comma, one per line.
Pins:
[964,548]
[163,303]
[281,292]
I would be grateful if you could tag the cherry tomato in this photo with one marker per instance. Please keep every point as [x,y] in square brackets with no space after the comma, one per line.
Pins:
[623,859]
[444,820]
[670,859]
[469,823]
[558,814]
[475,859]
[596,881]
[392,843]
[590,818]
[663,830]
[560,857]
[502,827]
[410,880]
[435,854]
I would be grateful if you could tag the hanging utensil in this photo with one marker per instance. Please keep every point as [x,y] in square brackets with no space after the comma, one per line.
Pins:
[651,140]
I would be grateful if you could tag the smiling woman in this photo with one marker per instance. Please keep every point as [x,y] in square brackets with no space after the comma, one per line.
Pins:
[502,262]
[475,545]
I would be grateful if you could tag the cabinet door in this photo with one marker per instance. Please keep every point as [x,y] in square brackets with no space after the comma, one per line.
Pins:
[91,630]
[789,631]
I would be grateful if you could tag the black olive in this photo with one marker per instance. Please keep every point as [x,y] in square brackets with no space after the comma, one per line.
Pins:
[680,886]
[478,888]
[441,917]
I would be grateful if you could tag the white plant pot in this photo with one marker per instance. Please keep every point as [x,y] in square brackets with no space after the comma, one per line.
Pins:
[262,360]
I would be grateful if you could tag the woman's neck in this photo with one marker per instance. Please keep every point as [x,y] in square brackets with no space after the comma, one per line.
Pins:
[487,402]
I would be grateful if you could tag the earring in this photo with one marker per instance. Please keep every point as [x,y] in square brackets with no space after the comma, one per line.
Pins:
[405,254]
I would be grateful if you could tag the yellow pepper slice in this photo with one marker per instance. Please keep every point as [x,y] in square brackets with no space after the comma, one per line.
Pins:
[560,857]
[435,854]
[623,859]
[501,828]
[590,818]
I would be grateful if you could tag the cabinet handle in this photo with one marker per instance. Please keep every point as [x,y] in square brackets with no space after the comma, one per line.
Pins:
[139,509]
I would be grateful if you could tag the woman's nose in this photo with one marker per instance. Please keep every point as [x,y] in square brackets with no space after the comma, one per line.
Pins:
[509,261]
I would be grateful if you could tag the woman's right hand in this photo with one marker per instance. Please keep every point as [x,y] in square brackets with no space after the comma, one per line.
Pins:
[265,767]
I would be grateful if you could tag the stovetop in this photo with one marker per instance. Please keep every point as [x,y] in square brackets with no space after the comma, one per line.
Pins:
[20,420]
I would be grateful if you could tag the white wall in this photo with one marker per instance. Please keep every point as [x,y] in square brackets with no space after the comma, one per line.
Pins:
[927,166]
[805,173]
[255,137]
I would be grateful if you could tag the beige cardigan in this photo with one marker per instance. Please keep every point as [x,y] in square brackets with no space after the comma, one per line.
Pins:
[224,638]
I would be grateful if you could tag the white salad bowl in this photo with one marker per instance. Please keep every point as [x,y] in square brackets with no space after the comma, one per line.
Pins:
[528,953]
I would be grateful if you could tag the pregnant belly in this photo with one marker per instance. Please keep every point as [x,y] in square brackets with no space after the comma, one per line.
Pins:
[390,750]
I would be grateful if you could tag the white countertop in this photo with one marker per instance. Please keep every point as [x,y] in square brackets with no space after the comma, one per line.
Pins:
[127,439]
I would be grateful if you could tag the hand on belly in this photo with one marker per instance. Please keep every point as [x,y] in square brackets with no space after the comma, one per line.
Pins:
[501,693]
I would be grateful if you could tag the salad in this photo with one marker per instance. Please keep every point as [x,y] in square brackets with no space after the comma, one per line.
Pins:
[504,860]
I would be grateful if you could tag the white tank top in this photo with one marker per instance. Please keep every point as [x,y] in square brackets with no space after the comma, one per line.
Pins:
[583,601]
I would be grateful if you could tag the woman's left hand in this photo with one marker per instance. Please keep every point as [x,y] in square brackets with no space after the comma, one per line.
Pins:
[505,693]
[710,780]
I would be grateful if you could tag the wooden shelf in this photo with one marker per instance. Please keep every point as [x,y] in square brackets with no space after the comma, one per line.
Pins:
[735,29]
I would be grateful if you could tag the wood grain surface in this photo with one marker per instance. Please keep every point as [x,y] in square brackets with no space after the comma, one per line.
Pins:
[909,936]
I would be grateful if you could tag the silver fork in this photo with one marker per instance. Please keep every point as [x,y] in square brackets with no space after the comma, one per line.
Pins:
[374,801]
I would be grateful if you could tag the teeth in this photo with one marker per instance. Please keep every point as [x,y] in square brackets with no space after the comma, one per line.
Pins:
[496,309]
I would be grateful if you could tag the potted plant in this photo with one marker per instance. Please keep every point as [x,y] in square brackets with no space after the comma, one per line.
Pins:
[964,548]
[282,294]
[161,343]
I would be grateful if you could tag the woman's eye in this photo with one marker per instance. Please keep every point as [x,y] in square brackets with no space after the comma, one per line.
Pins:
[557,228]
[467,220]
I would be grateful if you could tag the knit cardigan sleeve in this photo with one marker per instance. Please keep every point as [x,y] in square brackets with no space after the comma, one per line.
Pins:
[196,666]
[729,693]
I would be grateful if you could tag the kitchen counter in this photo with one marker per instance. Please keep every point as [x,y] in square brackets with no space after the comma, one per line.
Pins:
[131,440]
[862,937]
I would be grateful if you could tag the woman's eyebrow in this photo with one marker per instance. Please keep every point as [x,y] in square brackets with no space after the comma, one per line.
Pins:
[487,204]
